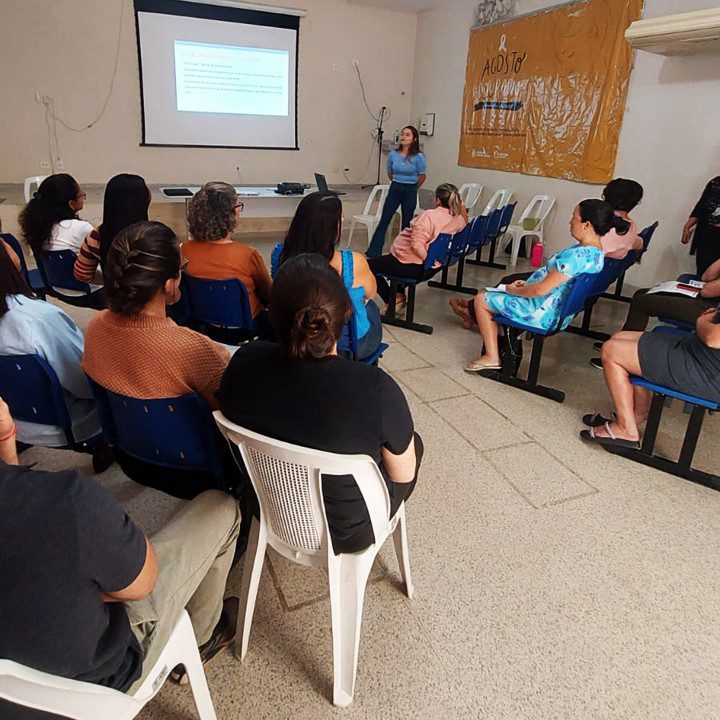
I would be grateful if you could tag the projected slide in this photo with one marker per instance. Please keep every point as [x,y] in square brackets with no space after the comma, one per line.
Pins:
[229,79]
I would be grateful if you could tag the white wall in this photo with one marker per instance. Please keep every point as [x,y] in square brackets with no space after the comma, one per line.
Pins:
[66,48]
[669,141]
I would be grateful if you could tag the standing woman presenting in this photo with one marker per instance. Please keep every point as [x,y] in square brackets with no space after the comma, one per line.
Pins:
[407,171]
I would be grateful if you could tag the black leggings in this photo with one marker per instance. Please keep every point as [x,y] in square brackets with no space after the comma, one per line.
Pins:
[390,265]
[706,243]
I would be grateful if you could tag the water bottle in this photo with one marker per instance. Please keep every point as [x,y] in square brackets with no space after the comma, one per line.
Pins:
[536,256]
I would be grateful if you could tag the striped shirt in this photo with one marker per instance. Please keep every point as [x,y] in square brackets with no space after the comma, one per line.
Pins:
[88,258]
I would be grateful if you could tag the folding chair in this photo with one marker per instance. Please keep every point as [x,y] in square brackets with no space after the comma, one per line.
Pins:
[288,483]
[86,701]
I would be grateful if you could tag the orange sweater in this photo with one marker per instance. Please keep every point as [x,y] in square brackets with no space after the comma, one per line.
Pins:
[146,357]
[222,261]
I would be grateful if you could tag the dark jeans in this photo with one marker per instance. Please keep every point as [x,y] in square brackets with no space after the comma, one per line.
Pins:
[400,195]
[370,341]
[390,265]
[677,307]
[706,243]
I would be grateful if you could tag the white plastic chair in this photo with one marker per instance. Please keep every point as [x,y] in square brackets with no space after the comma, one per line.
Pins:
[538,207]
[369,219]
[470,194]
[35,180]
[287,480]
[86,701]
[500,199]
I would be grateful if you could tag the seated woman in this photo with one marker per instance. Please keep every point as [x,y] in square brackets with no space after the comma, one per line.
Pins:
[316,228]
[687,363]
[538,300]
[410,247]
[213,214]
[50,220]
[645,305]
[623,196]
[301,392]
[134,349]
[29,326]
[126,201]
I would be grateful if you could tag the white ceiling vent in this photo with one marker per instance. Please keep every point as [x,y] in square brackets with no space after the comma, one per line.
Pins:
[684,34]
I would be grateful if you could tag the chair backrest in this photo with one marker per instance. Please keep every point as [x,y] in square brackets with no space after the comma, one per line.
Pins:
[647,233]
[288,483]
[470,194]
[173,432]
[63,697]
[224,303]
[582,287]
[29,183]
[180,311]
[538,207]
[460,242]
[33,392]
[506,218]
[378,193]
[477,232]
[56,269]
[439,251]
[492,225]
[14,243]
[501,198]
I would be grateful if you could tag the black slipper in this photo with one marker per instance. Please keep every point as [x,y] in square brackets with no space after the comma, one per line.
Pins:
[590,436]
[598,420]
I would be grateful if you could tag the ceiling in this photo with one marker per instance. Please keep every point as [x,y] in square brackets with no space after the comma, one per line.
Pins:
[413,5]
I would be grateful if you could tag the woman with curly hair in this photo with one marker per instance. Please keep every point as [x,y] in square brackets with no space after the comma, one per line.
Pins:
[213,214]
[134,349]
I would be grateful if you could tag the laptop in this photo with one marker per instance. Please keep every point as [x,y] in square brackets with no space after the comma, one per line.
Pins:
[322,185]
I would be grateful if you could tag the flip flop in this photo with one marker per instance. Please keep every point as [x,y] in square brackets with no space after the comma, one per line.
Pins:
[598,420]
[473,366]
[590,436]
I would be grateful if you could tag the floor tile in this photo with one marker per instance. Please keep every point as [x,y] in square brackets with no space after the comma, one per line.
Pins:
[431,384]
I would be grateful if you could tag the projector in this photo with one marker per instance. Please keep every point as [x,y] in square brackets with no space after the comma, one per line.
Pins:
[290,188]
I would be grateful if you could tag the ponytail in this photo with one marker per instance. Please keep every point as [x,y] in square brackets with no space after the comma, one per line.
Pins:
[602,217]
[449,197]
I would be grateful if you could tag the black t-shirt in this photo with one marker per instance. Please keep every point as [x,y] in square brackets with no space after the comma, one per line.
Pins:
[333,404]
[65,540]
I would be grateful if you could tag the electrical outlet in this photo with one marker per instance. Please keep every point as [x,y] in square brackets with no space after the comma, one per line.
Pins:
[336,168]
[60,165]
[44,164]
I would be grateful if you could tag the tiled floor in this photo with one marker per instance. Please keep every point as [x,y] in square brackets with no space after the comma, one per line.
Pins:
[552,580]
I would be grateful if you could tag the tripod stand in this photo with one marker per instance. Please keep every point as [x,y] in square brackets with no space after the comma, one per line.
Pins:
[380,132]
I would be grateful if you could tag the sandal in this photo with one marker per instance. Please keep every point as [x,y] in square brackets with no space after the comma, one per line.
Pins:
[598,420]
[474,366]
[611,440]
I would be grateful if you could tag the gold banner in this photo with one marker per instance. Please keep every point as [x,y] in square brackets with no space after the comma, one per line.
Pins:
[545,94]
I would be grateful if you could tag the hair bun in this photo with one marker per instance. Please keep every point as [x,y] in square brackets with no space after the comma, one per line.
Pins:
[312,332]
[37,195]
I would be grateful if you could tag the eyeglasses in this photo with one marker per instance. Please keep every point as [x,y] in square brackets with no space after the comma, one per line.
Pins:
[81,196]
[241,206]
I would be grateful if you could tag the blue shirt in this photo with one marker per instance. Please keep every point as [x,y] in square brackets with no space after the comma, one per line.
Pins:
[406,170]
[36,327]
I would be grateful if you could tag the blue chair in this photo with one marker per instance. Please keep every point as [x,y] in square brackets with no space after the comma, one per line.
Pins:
[497,224]
[32,277]
[177,433]
[56,270]
[348,344]
[574,303]
[180,311]
[682,467]
[220,309]
[634,256]
[464,243]
[438,251]
[33,393]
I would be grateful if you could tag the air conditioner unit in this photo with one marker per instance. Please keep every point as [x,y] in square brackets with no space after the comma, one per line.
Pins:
[683,34]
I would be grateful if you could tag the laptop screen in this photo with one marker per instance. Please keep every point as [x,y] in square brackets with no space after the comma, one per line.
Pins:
[321,182]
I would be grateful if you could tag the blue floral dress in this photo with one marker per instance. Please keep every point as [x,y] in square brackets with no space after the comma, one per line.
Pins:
[542,312]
